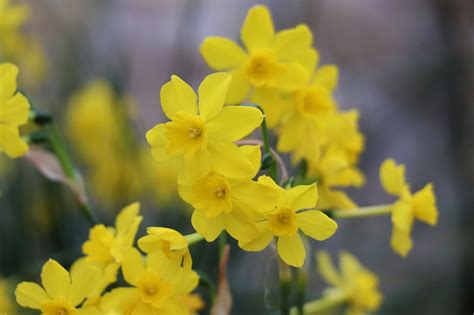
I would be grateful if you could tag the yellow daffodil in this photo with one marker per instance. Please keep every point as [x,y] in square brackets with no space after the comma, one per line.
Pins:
[353,284]
[106,245]
[420,205]
[269,60]
[14,111]
[6,304]
[223,202]
[12,17]
[159,286]
[203,136]
[292,212]
[172,243]
[61,293]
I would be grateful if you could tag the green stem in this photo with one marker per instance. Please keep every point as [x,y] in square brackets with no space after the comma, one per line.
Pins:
[323,304]
[194,238]
[362,212]
[301,280]
[285,287]
[272,170]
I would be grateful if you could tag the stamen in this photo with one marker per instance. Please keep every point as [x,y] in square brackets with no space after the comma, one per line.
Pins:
[61,311]
[194,133]
[220,192]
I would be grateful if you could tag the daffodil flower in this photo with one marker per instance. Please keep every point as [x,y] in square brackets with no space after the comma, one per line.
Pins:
[202,136]
[222,202]
[62,293]
[421,205]
[269,59]
[286,219]
[353,285]
[14,111]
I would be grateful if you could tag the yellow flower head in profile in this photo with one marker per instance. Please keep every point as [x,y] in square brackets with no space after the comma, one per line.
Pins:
[268,60]
[292,212]
[354,284]
[12,18]
[168,241]
[159,286]
[14,111]
[221,202]
[107,245]
[203,136]
[421,205]
[6,304]
[61,293]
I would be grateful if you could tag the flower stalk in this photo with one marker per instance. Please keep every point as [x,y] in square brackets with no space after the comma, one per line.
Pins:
[362,212]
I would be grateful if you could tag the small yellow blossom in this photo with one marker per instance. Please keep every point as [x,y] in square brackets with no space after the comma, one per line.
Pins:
[357,285]
[270,59]
[223,202]
[203,136]
[292,211]
[61,293]
[14,111]
[420,205]
[107,245]
[159,286]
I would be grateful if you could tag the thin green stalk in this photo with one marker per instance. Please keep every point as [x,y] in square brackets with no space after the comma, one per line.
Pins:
[221,243]
[272,170]
[362,212]
[194,238]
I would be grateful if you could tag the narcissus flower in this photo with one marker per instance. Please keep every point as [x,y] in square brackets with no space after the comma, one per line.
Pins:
[421,205]
[292,212]
[107,245]
[223,202]
[14,111]
[203,136]
[353,284]
[269,60]
[61,293]
[160,286]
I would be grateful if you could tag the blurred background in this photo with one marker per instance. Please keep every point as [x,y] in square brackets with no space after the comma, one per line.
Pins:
[408,66]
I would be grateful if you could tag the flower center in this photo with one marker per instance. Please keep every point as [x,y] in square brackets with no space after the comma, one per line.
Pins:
[315,102]
[61,311]
[194,133]
[150,290]
[261,68]
[220,192]
[283,222]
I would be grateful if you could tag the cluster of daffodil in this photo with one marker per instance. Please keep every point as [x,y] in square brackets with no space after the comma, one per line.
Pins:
[161,282]
[122,169]
[18,47]
[273,81]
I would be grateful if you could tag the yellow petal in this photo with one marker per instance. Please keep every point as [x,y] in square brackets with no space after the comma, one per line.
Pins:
[275,104]
[212,93]
[15,111]
[316,224]
[327,76]
[119,301]
[221,53]
[292,76]
[326,268]
[392,177]
[348,264]
[291,250]
[83,283]
[8,75]
[258,243]
[158,142]
[176,95]
[209,228]
[402,215]
[234,123]
[424,205]
[198,166]
[308,58]
[126,217]
[254,195]
[334,199]
[240,222]
[29,294]
[401,242]
[253,154]
[133,265]
[228,160]
[55,279]
[239,88]
[290,43]
[302,196]
[11,142]
[257,31]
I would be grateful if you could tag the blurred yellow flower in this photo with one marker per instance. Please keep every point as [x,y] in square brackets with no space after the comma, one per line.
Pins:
[421,205]
[61,293]
[270,59]
[14,111]
[293,211]
[203,136]
[107,245]
[353,284]
[6,305]
[223,202]
[159,286]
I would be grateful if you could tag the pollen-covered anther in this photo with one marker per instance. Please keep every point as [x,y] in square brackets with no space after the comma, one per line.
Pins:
[61,311]
[220,192]
[284,218]
[150,290]
[194,133]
